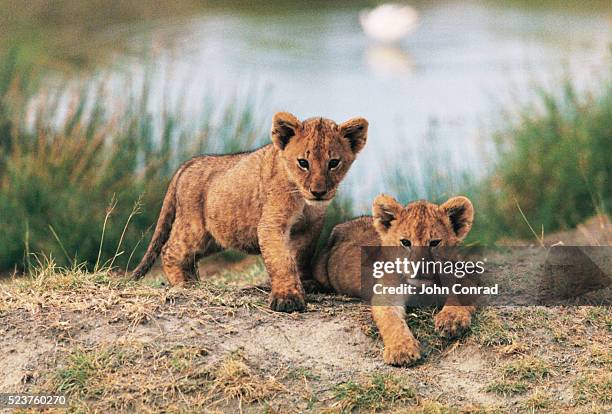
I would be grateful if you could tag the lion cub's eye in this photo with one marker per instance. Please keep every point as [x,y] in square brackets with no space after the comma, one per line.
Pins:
[303,163]
[434,243]
[334,163]
[406,242]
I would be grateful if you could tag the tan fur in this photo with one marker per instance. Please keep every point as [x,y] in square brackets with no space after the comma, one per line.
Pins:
[261,201]
[339,266]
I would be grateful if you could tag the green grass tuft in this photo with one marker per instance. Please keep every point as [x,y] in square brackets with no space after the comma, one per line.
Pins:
[519,376]
[593,387]
[375,393]
[488,329]
[507,388]
[528,369]
[75,377]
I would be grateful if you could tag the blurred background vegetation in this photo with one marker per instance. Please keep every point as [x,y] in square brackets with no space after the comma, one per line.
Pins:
[75,166]
[63,172]
[550,169]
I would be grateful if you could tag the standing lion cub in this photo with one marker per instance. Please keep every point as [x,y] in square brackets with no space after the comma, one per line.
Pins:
[421,225]
[270,201]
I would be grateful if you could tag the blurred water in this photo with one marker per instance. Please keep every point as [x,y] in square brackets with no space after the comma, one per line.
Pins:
[463,58]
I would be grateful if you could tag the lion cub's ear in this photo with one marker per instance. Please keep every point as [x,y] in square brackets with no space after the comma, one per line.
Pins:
[356,131]
[385,209]
[461,215]
[284,126]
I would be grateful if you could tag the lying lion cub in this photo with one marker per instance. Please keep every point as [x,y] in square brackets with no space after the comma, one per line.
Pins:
[270,201]
[418,224]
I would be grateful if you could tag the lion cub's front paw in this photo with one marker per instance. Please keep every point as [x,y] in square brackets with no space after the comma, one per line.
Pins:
[453,320]
[287,301]
[403,352]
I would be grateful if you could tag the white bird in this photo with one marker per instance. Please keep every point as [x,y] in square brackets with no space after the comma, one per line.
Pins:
[389,22]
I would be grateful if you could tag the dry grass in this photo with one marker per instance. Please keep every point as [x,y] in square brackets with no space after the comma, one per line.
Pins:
[51,286]
[233,379]
[490,330]
[529,368]
[505,387]
[538,400]
[175,377]
[599,316]
[432,407]
[371,394]
[519,376]
[600,356]
[592,387]
[142,377]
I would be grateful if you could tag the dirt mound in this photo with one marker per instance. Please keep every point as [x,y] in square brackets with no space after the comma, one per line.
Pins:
[117,346]
[113,346]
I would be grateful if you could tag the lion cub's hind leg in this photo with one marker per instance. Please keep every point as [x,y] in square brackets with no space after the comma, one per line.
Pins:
[187,244]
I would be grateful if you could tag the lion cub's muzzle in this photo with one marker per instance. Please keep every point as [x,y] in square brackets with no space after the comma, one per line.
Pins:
[320,198]
[318,195]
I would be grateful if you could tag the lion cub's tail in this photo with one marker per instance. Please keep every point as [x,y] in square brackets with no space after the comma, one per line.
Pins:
[162,230]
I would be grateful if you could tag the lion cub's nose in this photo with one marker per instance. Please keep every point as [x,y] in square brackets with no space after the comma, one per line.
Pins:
[318,194]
